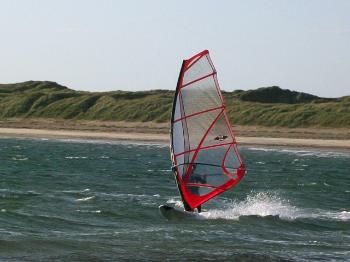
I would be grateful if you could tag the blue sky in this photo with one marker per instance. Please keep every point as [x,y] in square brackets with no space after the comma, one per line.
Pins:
[138,45]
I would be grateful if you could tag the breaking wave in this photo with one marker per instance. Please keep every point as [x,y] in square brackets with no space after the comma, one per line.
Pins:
[264,204]
[301,152]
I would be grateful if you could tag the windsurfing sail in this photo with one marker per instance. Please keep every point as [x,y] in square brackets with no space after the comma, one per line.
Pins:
[204,152]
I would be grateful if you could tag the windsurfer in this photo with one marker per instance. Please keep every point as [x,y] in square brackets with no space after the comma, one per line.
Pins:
[196,179]
[196,143]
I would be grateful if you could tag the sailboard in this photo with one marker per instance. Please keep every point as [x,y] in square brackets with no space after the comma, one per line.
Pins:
[176,213]
[204,153]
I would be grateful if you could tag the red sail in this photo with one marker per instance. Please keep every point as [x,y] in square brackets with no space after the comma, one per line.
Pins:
[204,152]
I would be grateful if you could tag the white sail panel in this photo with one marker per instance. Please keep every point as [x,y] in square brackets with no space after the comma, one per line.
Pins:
[199,68]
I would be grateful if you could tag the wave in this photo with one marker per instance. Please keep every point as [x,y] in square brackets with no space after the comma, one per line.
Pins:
[342,215]
[89,211]
[317,152]
[14,192]
[85,199]
[258,204]
[143,199]
[266,204]
[76,191]
[76,157]
[92,141]
[20,158]
[111,142]
[125,195]
[176,202]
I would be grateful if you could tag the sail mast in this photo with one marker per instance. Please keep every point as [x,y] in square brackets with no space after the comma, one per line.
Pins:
[179,81]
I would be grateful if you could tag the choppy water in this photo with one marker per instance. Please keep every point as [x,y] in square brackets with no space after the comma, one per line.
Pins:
[98,201]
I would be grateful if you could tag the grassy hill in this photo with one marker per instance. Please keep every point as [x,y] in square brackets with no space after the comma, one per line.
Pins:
[269,106]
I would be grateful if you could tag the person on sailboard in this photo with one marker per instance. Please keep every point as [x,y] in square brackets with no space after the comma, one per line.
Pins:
[196,179]
[191,141]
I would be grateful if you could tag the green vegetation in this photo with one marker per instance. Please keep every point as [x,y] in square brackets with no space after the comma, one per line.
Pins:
[270,106]
[274,94]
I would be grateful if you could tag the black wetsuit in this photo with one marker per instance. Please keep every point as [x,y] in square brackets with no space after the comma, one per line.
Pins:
[195,178]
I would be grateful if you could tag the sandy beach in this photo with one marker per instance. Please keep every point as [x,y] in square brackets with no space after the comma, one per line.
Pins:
[137,133]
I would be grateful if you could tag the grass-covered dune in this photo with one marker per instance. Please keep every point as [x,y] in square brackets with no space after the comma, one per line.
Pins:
[269,106]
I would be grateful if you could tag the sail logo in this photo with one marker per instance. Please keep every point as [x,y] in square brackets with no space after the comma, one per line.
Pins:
[220,138]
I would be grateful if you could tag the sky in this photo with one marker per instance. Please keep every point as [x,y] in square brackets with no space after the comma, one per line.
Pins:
[106,45]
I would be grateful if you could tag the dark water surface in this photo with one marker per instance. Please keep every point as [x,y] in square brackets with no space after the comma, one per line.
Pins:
[64,200]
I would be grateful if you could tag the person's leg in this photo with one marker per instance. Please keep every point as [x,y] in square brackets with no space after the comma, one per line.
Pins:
[187,207]
[199,209]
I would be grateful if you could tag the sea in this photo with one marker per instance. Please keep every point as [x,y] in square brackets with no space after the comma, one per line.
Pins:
[78,200]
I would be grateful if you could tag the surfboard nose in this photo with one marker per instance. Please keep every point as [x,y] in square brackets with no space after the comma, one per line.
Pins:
[166,207]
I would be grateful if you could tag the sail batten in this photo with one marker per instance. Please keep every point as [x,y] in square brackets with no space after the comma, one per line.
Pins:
[199,79]
[203,147]
[198,113]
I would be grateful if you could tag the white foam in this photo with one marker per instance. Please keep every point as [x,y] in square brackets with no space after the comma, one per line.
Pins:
[265,204]
[176,202]
[260,163]
[94,141]
[165,170]
[76,157]
[76,191]
[333,215]
[19,158]
[112,142]
[89,211]
[85,199]
[125,195]
[299,152]
[257,204]
[344,215]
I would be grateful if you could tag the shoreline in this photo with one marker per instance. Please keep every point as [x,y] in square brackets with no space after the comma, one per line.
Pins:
[259,141]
